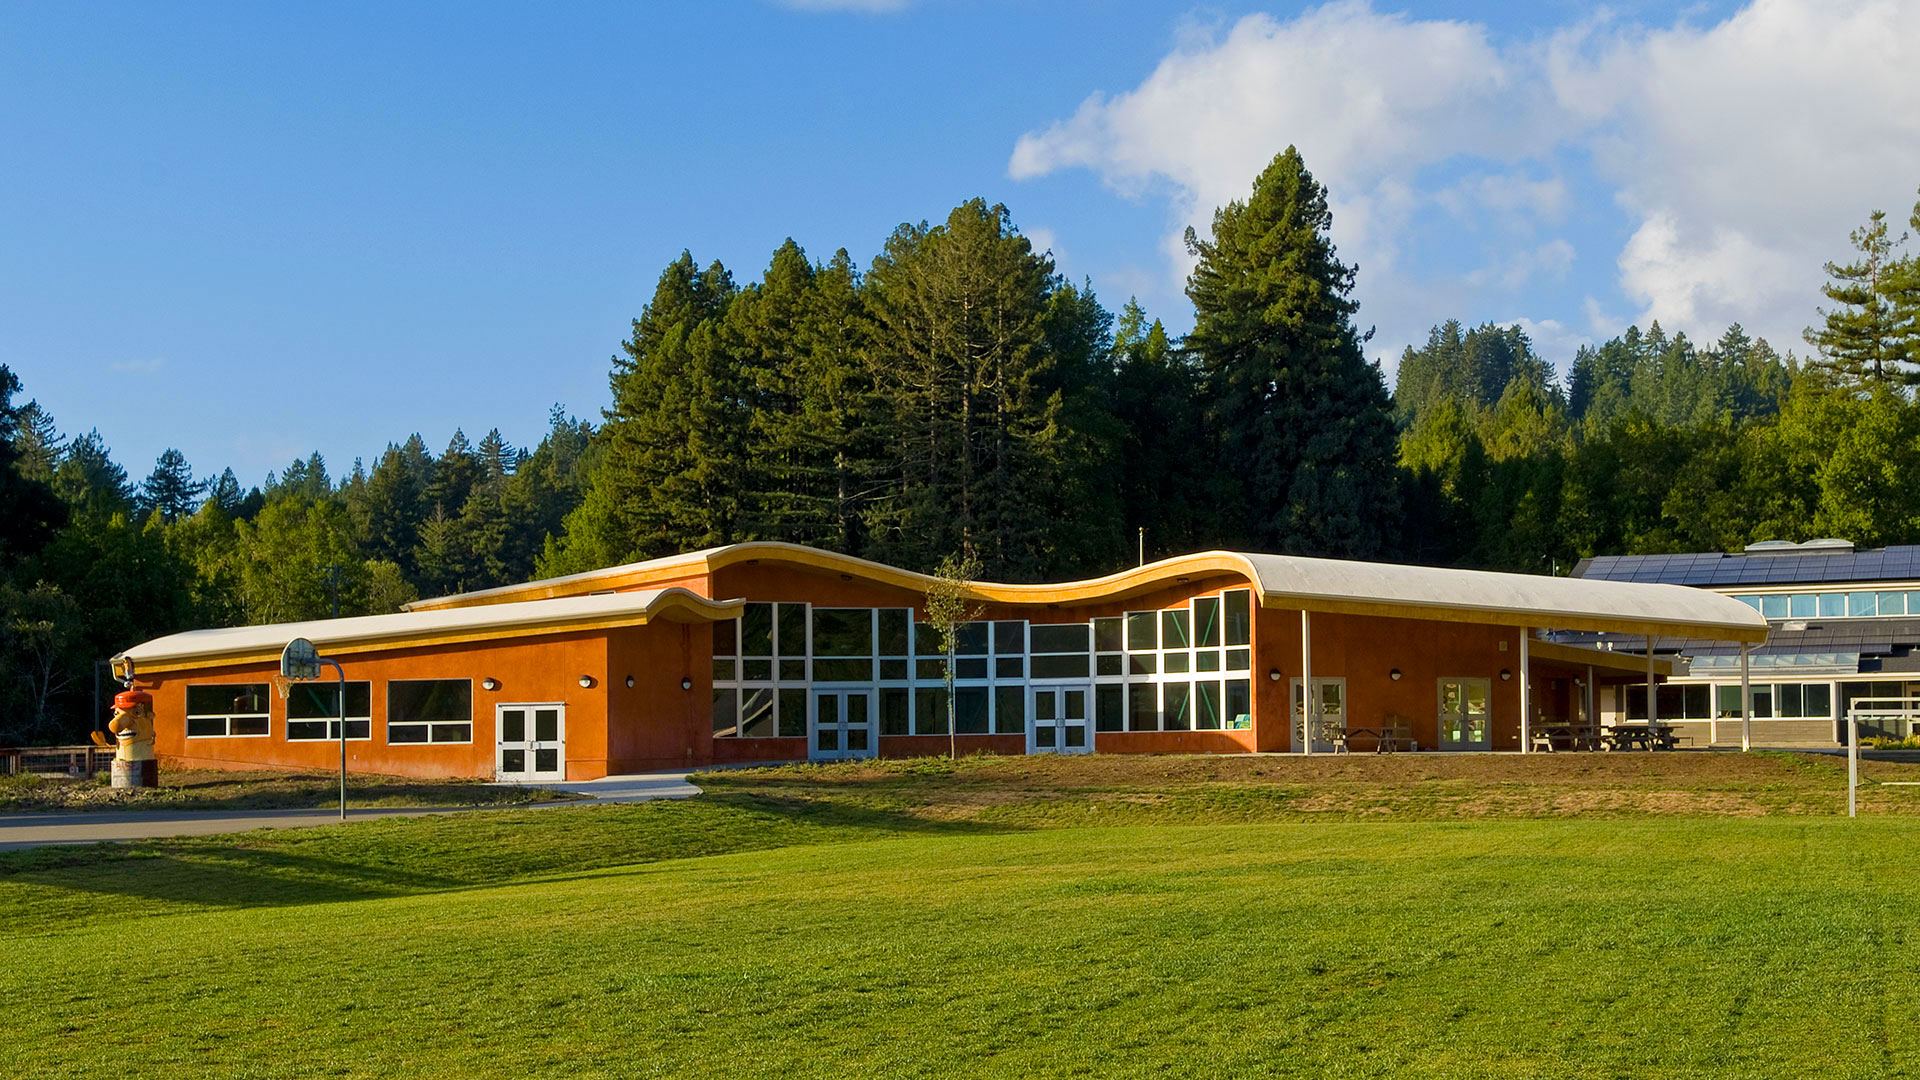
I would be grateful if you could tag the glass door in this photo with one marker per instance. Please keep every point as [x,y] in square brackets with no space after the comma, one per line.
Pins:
[1060,723]
[844,725]
[1465,714]
[1329,713]
[530,743]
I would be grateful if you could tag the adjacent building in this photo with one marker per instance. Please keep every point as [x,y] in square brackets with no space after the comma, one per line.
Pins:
[1843,627]
[762,652]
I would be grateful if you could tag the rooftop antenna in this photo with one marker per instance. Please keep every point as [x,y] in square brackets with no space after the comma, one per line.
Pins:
[1143,545]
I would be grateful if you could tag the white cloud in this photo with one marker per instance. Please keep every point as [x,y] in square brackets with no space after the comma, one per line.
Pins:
[1550,260]
[1746,151]
[1738,154]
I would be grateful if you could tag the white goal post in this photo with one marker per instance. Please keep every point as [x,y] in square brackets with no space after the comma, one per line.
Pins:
[1902,713]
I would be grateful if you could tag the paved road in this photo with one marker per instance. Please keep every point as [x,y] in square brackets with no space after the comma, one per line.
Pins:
[35,829]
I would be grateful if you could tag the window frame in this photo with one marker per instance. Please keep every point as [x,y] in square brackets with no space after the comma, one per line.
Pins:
[429,725]
[227,718]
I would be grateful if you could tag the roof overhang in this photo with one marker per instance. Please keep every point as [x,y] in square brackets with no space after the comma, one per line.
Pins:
[413,630]
[1283,581]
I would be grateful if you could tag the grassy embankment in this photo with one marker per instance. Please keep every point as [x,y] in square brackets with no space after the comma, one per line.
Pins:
[1658,915]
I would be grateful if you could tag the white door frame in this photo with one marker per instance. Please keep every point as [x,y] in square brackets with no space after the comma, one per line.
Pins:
[529,746]
[1059,726]
[842,729]
[1440,713]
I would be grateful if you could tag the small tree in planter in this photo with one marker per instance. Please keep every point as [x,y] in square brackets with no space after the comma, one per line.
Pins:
[950,606]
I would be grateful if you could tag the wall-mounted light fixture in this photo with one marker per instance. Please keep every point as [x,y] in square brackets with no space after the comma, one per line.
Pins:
[586,682]
[1505,674]
[1274,674]
[686,683]
[1394,674]
[490,684]
[629,682]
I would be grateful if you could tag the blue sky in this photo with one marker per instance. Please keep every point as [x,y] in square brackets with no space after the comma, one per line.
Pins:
[251,231]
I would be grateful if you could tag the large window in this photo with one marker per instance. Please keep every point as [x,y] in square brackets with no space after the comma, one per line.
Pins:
[227,710]
[1857,604]
[1189,662]
[430,710]
[1787,701]
[313,711]
[1182,665]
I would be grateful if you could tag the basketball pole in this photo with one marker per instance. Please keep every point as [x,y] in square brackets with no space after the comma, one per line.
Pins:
[342,674]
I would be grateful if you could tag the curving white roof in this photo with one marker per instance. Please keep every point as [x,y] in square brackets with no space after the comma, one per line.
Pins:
[1559,603]
[361,633]
[1283,581]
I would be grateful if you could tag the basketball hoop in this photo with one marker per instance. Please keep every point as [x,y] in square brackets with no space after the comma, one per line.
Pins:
[300,660]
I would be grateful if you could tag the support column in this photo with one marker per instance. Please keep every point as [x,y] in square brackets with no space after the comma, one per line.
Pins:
[1306,682]
[1653,695]
[1746,698]
[1590,723]
[1526,696]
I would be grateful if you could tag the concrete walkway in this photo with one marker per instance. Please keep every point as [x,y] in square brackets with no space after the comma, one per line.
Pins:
[36,828]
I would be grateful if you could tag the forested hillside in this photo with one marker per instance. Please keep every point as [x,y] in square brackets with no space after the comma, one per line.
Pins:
[959,395]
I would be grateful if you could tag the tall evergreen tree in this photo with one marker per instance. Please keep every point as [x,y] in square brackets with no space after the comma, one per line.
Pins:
[971,353]
[170,490]
[32,512]
[1307,429]
[1860,339]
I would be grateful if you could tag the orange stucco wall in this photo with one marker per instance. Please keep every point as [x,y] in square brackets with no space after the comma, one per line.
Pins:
[545,669]
[654,724]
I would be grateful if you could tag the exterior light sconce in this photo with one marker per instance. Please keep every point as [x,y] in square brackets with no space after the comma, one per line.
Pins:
[490,684]
[1505,674]
[1394,674]
[685,683]
[586,682]
[1274,674]
[629,682]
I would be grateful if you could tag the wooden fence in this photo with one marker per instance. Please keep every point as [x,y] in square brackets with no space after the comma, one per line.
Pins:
[80,761]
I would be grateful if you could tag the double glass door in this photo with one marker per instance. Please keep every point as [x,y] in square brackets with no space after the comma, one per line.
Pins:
[1060,724]
[1465,714]
[1329,713]
[530,742]
[844,725]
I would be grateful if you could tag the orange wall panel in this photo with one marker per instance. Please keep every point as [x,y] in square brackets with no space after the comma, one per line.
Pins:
[545,669]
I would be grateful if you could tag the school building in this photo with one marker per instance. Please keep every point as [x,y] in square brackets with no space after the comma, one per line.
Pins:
[762,652]
[1843,641]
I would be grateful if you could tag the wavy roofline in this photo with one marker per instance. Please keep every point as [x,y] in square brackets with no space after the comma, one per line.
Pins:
[1467,596]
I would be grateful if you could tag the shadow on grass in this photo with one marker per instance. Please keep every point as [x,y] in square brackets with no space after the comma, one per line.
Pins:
[413,856]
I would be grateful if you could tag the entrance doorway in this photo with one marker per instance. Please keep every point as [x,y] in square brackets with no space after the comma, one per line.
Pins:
[1059,721]
[844,725]
[1465,720]
[1330,713]
[530,742]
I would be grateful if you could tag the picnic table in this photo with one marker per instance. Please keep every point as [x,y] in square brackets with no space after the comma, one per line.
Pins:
[1638,737]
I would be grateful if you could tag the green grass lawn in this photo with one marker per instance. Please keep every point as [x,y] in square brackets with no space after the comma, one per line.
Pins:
[917,920]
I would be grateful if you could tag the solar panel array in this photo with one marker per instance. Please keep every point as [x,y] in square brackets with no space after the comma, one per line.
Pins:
[1714,568]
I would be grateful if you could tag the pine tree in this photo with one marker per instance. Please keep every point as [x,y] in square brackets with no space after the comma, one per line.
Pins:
[37,443]
[1306,424]
[170,490]
[1860,340]
[226,492]
[976,345]
[32,512]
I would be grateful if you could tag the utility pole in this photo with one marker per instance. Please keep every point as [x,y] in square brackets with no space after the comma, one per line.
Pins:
[333,582]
